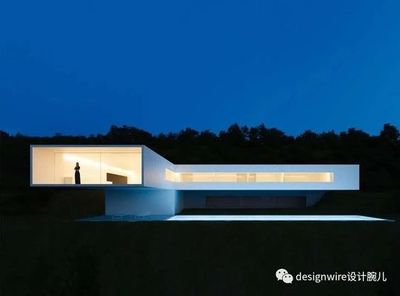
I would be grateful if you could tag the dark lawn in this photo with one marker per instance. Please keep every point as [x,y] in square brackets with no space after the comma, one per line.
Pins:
[44,255]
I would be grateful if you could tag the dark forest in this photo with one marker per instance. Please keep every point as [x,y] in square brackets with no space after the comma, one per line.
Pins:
[378,156]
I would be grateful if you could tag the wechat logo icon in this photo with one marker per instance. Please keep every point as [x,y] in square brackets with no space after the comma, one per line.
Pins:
[283,275]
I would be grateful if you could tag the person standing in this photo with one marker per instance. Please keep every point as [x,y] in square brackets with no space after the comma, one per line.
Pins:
[77,174]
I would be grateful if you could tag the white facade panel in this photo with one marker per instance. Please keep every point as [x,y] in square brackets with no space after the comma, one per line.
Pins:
[154,167]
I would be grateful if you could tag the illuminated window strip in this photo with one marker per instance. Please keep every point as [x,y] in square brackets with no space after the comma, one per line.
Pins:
[248,177]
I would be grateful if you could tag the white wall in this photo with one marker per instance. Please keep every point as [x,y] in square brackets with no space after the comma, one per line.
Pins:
[42,166]
[154,167]
[122,163]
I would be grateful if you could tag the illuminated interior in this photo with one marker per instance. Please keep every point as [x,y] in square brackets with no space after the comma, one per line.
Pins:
[98,165]
[248,177]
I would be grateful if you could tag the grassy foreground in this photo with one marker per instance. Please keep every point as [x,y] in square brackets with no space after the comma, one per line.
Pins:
[44,255]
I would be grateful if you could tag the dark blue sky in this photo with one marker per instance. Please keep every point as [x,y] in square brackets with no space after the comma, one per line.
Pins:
[77,67]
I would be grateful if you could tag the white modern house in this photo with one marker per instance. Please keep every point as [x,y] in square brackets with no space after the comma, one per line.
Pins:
[138,181]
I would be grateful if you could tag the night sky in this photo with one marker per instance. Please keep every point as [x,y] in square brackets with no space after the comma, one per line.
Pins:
[77,67]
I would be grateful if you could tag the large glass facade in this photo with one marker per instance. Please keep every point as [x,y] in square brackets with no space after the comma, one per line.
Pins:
[86,165]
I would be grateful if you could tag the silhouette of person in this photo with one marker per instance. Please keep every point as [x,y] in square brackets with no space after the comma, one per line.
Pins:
[77,174]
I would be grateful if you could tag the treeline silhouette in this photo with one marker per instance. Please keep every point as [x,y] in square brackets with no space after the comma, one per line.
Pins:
[378,156]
